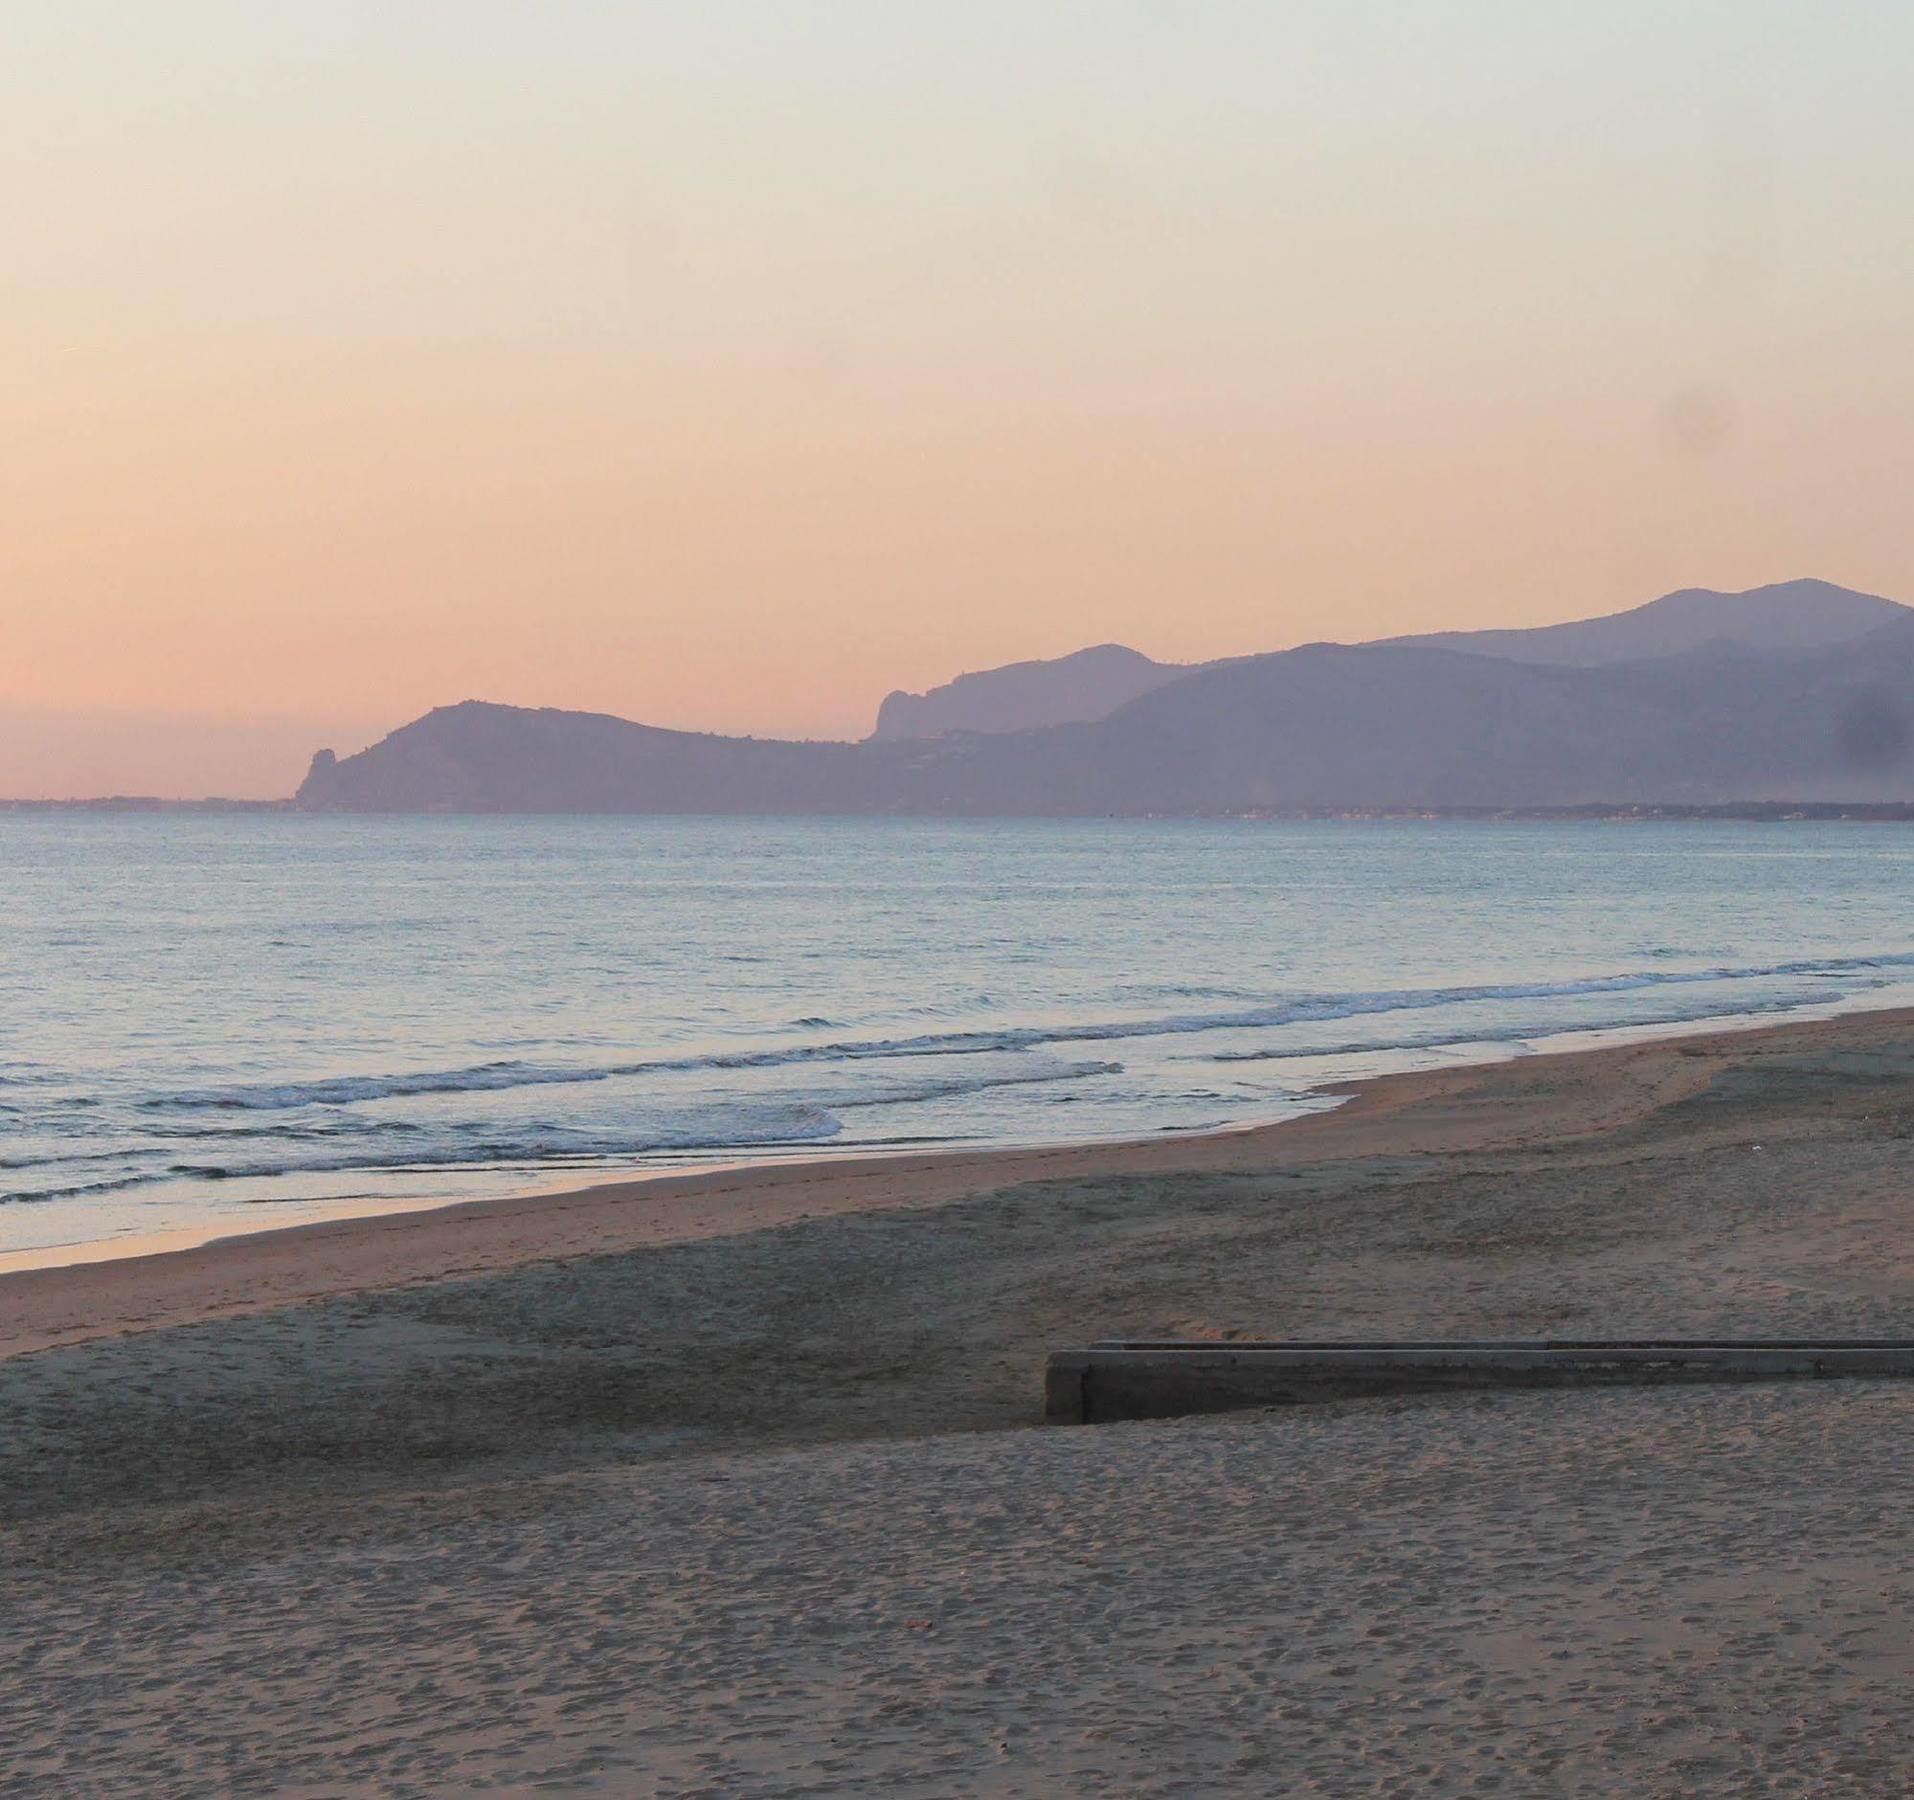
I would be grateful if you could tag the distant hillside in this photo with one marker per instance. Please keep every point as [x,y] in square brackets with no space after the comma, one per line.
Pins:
[1087,684]
[1325,727]
[1790,615]
[1092,684]
[1335,726]
[477,757]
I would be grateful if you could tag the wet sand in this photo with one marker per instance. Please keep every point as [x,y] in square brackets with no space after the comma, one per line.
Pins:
[1428,1111]
[727,1484]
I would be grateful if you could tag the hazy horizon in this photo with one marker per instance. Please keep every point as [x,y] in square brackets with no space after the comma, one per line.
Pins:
[727,368]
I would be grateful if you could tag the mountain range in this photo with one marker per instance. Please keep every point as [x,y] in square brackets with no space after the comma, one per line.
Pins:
[1798,692]
[1090,684]
[1065,690]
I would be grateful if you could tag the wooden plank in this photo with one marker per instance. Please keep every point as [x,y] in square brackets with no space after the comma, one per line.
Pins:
[1161,1378]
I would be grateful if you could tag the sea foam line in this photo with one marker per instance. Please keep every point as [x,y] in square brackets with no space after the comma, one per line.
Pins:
[749,1124]
[1289,1010]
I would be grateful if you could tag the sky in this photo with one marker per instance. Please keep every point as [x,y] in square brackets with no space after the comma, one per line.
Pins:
[726,365]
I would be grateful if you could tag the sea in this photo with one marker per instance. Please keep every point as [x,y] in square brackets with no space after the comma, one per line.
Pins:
[211,1023]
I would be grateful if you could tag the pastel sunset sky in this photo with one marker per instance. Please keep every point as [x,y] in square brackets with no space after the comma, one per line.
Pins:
[725,365]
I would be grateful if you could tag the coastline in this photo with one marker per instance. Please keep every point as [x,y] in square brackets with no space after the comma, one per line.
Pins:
[736,1483]
[1475,1106]
[220,1227]
[1231,971]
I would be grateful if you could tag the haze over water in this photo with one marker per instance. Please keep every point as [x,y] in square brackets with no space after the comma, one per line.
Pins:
[241,1020]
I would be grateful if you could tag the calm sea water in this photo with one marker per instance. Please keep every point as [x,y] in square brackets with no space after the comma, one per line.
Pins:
[254,1019]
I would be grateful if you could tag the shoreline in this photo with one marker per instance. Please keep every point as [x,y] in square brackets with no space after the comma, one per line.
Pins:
[1597,812]
[740,1482]
[1470,1107]
[218,1228]
[227,1228]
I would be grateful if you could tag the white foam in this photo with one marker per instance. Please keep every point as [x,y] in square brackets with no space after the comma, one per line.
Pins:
[1282,1010]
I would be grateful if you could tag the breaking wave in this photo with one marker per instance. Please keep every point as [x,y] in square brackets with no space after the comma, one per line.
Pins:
[355,1145]
[344,1090]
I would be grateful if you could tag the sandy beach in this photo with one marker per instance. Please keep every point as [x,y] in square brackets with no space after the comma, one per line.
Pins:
[730,1483]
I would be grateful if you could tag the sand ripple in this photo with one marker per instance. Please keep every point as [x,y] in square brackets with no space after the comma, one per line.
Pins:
[1697,1592]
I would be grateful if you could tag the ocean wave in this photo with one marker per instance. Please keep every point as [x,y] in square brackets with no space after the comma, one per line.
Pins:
[342,1090]
[75,1190]
[739,1125]
[1512,1033]
[714,1128]
[66,1159]
[904,1093]
[332,1128]
[1278,1011]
